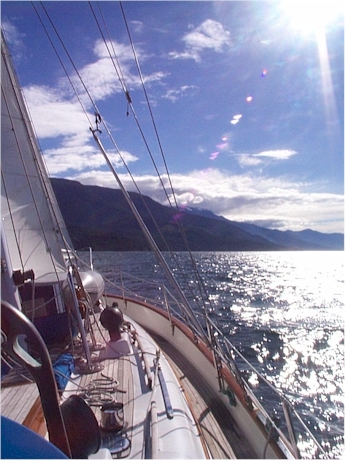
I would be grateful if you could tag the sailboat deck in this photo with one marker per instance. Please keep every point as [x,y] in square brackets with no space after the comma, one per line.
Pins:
[219,432]
[122,392]
[221,435]
[16,401]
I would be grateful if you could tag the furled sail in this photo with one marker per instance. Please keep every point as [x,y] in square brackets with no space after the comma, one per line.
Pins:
[32,224]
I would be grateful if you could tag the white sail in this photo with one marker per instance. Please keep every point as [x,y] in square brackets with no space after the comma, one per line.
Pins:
[32,225]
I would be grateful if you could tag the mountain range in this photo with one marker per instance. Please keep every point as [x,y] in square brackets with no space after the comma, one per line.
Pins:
[100,218]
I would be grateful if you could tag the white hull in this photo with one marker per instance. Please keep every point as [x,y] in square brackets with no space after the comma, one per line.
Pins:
[158,322]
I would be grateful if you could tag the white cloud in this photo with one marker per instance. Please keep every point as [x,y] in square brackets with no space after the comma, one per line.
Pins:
[52,114]
[285,204]
[105,76]
[54,117]
[72,159]
[53,110]
[137,26]
[279,154]
[174,94]
[275,201]
[250,160]
[245,160]
[210,35]
[13,37]
[123,53]
[106,179]
[187,199]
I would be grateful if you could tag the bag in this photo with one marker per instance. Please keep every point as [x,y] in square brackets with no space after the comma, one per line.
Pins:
[63,367]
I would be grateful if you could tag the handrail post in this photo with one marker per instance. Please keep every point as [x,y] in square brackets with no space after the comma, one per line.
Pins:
[217,361]
[167,307]
[291,431]
[91,258]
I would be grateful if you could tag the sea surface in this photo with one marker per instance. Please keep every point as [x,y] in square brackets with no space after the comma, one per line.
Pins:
[284,311]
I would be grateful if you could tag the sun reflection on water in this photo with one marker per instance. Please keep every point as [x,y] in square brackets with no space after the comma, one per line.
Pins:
[294,308]
[285,313]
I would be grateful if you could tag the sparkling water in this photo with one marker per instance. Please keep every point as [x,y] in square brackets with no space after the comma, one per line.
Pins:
[284,311]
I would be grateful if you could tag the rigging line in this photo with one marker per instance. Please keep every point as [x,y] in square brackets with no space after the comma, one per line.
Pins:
[182,273]
[60,60]
[80,78]
[136,186]
[88,93]
[152,118]
[117,68]
[104,124]
[201,285]
[152,243]
[71,60]
[48,194]
[127,94]
[97,113]
[122,82]
[121,77]
[94,104]
[149,105]
[180,226]
[154,220]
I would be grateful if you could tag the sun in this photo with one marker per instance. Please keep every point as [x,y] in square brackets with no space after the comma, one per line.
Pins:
[312,16]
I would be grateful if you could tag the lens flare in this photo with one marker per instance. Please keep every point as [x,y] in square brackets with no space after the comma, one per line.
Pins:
[236,119]
[214,155]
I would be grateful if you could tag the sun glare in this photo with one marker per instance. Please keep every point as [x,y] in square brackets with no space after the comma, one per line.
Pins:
[311,16]
[314,17]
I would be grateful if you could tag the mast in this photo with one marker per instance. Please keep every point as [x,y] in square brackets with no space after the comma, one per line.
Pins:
[151,241]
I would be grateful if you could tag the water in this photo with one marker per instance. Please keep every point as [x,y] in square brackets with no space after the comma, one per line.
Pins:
[283,311]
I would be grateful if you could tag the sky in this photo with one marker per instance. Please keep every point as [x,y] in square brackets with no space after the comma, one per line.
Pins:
[247,99]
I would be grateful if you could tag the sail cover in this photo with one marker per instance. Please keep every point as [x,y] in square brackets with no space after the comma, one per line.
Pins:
[32,223]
